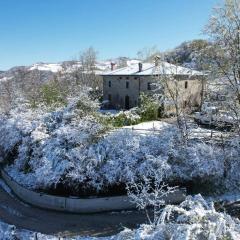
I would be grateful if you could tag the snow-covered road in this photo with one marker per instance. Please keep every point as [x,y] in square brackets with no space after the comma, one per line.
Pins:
[14,212]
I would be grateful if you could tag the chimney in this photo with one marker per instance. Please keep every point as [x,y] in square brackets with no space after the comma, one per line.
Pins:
[140,67]
[112,66]
[157,60]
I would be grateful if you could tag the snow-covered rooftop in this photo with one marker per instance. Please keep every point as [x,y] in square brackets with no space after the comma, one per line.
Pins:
[163,68]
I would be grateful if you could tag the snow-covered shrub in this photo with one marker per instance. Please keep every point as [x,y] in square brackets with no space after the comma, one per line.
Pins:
[232,164]
[65,148]
[120,119]
[192,219]
[46,153]
[118,158]
[196,160]
[41,141]
[69,150]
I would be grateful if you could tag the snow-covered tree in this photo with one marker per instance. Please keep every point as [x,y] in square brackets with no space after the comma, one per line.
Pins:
[86,74]
[150,191]
[168,92]
[190,54]
[224,31]
[147,54]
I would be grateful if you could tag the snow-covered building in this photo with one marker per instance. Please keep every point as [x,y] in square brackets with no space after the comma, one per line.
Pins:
[122,87]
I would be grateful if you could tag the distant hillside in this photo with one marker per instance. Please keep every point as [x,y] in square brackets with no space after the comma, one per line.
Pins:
[27,82]
[188,54]
[46,71]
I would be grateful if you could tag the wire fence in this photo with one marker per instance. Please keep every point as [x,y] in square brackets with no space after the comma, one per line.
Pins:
[194,132]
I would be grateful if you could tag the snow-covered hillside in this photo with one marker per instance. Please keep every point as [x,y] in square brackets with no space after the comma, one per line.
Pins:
[189,54]
[44,72]
[52,67]
[68,66]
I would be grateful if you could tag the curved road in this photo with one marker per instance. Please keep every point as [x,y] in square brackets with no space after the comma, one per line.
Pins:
[13,211]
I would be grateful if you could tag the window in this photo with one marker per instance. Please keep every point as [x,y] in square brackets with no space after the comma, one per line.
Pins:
[120,77]
[149,86]
[109,98]
[135,78]
[127,84]
[186,85]
[127,78]
[109,83]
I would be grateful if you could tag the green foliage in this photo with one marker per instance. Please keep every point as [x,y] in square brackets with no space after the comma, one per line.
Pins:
[87,108]
[124,119]
[121,119]
[51,94]
[149,108]
[226,238]
[147,111]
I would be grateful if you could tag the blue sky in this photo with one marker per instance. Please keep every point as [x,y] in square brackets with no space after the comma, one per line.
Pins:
[56,30]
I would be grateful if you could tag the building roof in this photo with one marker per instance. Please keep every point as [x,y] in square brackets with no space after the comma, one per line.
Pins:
[163,68]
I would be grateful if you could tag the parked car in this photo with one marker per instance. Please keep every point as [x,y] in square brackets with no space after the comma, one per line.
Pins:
[213,117]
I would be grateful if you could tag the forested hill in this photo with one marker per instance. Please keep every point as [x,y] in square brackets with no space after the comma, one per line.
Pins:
[189,54]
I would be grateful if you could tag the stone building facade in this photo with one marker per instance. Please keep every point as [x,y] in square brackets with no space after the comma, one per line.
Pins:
[122,87]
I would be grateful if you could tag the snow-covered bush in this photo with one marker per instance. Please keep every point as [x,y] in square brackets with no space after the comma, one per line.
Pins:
[120,119]
[38,140]
[196,160]
[69,151]
[192,219]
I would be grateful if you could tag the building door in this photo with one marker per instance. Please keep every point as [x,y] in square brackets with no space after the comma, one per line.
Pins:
[127,105]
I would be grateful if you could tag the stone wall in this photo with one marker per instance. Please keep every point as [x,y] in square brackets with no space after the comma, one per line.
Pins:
[74,205]
[117,91]
[78,205]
